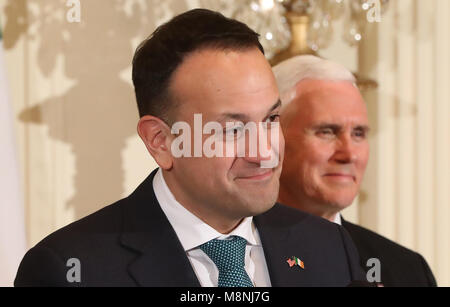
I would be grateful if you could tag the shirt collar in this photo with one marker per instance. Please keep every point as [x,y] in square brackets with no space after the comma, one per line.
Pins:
[337,219]
[190,230]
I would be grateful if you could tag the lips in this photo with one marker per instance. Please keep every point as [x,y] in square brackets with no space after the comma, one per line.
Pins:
[257,175]
[340,176]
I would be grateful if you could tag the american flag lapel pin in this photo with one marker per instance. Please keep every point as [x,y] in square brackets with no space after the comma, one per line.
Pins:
[293,261]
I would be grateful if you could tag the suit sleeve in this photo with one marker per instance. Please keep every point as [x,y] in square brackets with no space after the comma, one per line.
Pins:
[428,273]
[357,273]
[41,267]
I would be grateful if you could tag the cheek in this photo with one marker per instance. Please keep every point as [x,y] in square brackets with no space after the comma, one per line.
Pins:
[226,168]
[302,155]
[312,163]
[363,160]
[309,169]
[208,176]
[204,168]
[315,156]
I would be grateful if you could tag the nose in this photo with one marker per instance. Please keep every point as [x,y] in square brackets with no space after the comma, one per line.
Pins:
[262,151]
[261,155]
[345,151]
[266,154]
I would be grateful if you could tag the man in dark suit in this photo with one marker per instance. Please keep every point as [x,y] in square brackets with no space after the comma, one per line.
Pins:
[206,218]
[325,124]
[399,266]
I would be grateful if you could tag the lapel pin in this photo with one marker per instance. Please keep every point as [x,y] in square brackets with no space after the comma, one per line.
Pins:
[295,261]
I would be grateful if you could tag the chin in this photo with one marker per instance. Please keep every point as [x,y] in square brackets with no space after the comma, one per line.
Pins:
[340,203]
[256,206]
[257,199]
[262,208]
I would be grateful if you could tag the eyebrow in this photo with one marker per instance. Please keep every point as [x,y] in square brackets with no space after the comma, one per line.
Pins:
[244,117]
[336,127]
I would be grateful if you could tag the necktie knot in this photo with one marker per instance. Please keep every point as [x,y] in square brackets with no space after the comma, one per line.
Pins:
[229,257]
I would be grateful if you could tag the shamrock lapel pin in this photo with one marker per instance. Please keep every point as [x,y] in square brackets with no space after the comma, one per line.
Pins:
[295,261]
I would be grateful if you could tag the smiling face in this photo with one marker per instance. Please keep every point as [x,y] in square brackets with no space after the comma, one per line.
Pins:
[225,86]
[327,149]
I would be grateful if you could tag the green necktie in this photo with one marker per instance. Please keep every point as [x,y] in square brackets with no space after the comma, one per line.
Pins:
[229,257]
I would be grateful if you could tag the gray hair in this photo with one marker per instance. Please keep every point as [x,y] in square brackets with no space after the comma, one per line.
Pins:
[290,72]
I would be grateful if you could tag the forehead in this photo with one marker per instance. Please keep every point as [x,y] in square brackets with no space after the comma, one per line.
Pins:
[338,102]
[219,81]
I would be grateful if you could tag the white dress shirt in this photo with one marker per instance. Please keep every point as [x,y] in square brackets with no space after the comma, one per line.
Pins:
[193,232]
[337,219]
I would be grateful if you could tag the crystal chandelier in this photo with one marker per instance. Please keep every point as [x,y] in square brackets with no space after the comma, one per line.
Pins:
[294,27]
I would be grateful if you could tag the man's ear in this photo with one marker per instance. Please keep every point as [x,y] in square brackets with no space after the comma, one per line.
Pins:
[156,136]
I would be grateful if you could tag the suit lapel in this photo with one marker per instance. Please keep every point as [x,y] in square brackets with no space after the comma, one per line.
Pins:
[279,243]
[160,258]
[165,265]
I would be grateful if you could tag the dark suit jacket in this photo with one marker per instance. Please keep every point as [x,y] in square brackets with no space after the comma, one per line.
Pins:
[399,265]
[131,243]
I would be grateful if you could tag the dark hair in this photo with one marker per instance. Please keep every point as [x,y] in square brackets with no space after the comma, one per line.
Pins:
[162,53]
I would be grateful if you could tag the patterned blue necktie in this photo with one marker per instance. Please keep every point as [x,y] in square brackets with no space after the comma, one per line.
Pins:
[229,257]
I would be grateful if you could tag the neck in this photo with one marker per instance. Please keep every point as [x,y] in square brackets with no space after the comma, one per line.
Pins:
[305,204]
[219,221]
[330,216]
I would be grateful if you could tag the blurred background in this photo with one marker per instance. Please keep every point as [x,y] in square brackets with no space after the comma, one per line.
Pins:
[68,141]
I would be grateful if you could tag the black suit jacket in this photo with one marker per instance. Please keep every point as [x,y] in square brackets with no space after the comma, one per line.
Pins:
[131,243]
[399,265]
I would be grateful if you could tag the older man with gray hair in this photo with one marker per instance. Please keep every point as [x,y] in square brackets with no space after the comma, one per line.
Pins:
[325,123]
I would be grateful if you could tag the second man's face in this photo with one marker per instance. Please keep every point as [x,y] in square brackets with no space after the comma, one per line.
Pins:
[228,86]
[327,149]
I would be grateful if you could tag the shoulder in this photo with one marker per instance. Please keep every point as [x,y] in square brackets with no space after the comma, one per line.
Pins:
[107,220]
[400,265]
[370,239]
[90,240]
[291,231]
[284,216]
[96,236]
[307,227]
